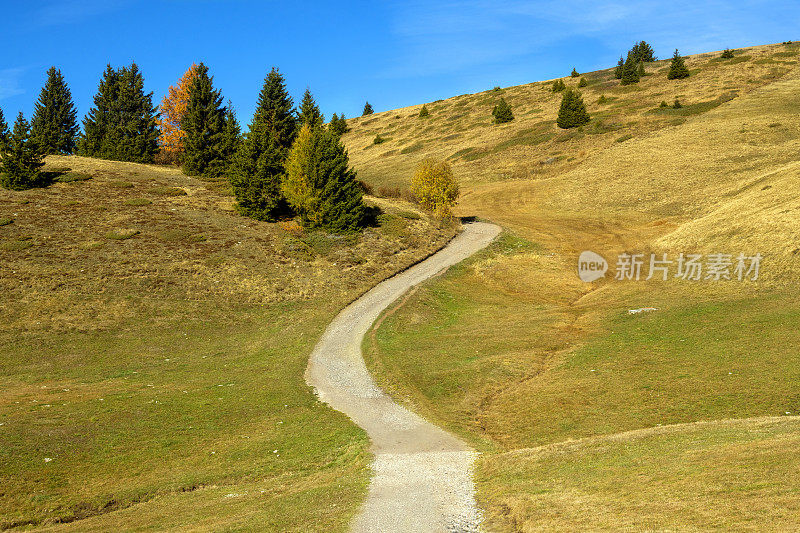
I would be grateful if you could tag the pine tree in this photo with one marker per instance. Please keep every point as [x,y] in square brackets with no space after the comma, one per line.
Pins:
[573,111]
[630,73]
[677,69]
[309,112]
[258,164]
[367,110]
[502,112]
[54,125]
[232,134]
[574,73]
[4,133]
[643,52]
[320,185]
[122,125]
[619,68]
[22,159]
[338,125]
[423,112]
[204,128]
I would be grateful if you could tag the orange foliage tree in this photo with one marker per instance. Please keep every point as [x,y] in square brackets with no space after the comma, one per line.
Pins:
[173,107]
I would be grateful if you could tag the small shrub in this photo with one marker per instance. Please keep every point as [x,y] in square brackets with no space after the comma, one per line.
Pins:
[435,187]
[624,138]
[4,221]
[378,139]
[137,201]
[602,99]
[663,104]
[677,104]
[366,187]
[119,184]
[424,112]
[558,86]
[574,73]
[167,191]
[389,192]
[583,83]
[727,54]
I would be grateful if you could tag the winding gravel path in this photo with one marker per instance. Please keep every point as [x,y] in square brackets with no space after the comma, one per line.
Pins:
[423,475]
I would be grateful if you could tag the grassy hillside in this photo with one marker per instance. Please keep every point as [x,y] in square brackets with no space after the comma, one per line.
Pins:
[153,346]
[514,352]
[460,129]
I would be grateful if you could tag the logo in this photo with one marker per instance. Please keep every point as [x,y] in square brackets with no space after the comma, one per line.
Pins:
[591,266]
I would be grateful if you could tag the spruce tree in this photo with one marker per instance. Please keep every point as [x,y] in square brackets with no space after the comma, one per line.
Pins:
[204,128]
[643,52]
[502,112]
[558,86]
[338,124]
[572,112]
[258,164]
[574,73]
[423,112]
[619,68]
[22,159]
[367,110]
[640,70]
[122,124]
[4,133]
[677,69]
[232,134]
[309,112]
[320,185]
[54,125]
[630,74]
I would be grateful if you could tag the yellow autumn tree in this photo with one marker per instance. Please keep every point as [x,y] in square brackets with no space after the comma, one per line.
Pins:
[435,187]
[173,107]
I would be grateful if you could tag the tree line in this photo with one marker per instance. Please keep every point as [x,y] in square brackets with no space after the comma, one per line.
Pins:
[288,163]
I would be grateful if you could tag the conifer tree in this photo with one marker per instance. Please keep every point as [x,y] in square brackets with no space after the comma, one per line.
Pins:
[54,125]
[640,70]
[677,69]
[423,112]
[338,124]
[4,133]
[258,164]
[558,86]
[630,74]
[309,112]
[320,185]
[204,127]
[572,112]
[502,112]
[367,110]
[643,52]
[583,83]
[619,68]
[22,158]
[574,73]
[122,125]
[232,134]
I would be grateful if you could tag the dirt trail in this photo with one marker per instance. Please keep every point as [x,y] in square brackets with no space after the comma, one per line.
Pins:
[422,474]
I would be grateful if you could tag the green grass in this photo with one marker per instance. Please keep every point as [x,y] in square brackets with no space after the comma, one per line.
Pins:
[122,235]
[167,191]
[186,403]
[717,476]
[70,177]
[5,221]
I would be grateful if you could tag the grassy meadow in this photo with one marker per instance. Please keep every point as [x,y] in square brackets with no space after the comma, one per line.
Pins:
[153,348]
[588,416]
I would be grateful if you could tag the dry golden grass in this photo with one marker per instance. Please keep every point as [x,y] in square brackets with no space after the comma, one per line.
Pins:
[511,350]
[153,346]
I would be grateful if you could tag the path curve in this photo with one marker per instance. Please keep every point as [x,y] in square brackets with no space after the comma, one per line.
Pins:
[422,474]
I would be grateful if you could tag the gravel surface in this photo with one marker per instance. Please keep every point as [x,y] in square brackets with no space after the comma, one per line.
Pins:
[422,474]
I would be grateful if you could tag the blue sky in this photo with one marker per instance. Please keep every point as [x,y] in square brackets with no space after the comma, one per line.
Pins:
[390,53]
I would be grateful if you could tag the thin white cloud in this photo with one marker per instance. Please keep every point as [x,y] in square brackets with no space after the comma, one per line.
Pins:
[447,37]
[10,82]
